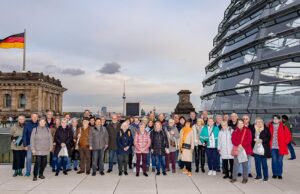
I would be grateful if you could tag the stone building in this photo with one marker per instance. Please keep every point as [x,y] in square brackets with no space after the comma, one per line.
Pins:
[27,92]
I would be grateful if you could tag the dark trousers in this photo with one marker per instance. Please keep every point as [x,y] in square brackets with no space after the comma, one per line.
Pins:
[112,154]
[187,165]
[140,156]
[51,159]
[261,163]
[172,160]
[98,160]
[123,162]
[227,166]
[39,166]
[130,158]
[199,152]
[167,158]
[18,159]
[292,151]
[85,159]
[212,157]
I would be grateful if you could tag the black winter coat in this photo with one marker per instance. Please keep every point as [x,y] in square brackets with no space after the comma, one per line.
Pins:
[159,141]
[265,136]
[63,136]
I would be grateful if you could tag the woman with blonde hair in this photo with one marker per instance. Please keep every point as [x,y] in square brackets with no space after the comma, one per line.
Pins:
[199,149]
[186,147]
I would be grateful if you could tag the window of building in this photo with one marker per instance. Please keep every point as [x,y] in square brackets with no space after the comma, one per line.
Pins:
[22,101]
[7,101]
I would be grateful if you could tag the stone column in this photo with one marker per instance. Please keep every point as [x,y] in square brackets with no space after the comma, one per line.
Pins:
[40,99]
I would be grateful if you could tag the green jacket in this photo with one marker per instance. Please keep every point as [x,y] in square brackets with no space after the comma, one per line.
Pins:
[204,136]
[289,125]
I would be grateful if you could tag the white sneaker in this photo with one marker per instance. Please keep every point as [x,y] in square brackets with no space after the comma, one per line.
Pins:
[214,173]
[210,173]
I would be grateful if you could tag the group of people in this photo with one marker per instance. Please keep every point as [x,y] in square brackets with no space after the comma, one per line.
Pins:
[227,143]
[7,121]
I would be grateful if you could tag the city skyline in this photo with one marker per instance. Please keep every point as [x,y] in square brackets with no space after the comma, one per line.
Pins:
[158,47]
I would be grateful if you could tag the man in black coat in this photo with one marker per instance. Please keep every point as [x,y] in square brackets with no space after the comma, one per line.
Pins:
[113,129]
[63,138]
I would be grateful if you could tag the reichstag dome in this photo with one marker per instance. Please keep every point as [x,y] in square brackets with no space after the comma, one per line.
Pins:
[254,67]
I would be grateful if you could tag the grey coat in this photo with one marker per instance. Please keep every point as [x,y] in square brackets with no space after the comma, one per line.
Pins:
[173,139]
[41,141]
[98,138]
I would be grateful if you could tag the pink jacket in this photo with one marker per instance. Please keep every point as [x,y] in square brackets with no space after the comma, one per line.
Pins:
[142,142]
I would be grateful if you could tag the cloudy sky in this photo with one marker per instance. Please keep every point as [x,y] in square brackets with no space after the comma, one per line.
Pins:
[158,46]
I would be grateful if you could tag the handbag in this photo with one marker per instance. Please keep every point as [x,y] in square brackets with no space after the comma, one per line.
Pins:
[259,149]
[186,146]
[242,156]
[63,152]
[235,149]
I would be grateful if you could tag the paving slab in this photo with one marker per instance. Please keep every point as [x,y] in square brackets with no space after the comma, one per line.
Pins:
[199,183]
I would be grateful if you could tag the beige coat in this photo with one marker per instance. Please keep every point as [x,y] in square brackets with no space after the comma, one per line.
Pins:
[187,155]
[16,131]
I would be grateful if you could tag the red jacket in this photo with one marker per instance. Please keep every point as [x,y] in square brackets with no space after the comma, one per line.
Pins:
[236,139]
[284,138]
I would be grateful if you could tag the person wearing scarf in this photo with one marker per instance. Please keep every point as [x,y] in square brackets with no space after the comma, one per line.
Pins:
[17,147]
[262,138]
[209,137]
[186,147]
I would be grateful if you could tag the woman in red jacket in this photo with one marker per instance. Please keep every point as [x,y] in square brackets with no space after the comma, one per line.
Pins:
[241,137]
[280,138]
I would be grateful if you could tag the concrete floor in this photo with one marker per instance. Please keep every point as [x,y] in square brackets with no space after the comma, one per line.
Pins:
[172,183]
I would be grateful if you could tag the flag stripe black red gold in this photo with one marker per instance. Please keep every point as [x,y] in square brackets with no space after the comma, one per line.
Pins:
[14,41]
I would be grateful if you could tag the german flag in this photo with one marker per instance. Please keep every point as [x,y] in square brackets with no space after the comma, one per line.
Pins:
[13,41]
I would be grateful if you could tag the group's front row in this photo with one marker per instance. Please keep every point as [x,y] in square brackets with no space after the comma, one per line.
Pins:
[162,143]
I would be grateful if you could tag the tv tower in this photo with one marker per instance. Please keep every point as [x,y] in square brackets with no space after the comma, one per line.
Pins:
[124,99]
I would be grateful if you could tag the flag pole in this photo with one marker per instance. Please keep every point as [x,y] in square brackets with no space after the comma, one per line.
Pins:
[24,50]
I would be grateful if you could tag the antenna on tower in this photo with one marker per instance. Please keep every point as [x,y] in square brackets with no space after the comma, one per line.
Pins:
[124,99]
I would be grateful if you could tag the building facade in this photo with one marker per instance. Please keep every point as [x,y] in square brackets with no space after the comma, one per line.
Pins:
[27,92]
[254,66]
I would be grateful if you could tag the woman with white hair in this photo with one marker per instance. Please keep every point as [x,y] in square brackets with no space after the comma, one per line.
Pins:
[41,145]
[225,146]
[17,147]
[124,143]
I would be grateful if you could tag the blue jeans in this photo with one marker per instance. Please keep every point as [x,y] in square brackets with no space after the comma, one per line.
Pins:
[75,163]
[62,162]
[98,160]
[112,154]
[153,160]
[277,162]
[261,163]
[160,162]
[249,166]
[292,151]
[212,158]
[28,160]
[148,160]
[54,162]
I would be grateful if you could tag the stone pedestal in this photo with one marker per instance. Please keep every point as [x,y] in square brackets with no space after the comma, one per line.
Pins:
[184,106]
